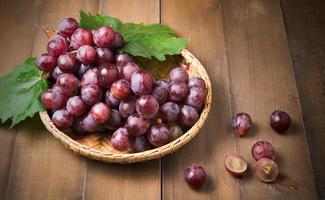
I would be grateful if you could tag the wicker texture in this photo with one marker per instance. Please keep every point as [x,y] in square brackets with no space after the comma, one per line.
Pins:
[98,147]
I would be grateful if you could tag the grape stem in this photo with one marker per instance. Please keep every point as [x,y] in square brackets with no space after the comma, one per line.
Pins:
[48,32]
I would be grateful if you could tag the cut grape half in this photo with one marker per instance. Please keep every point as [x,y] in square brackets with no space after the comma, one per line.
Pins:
[236,165]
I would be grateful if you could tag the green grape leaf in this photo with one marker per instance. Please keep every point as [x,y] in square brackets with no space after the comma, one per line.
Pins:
[145,40]
[20,91]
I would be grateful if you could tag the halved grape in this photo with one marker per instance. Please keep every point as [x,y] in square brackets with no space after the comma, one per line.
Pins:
[178,91]
[141,143]
[53,99]
[160,91]
[241,123]
[62,119]
[107,74]
[169,112]
[128,69]
[280,121]
[263,149]
[91,94]
[188,115]
[236,165]
[88,123]
[67,62]
[46,62]
[196,82]
[90,77]
[159,135]
[67,26]
[81,37]
[121,89]
[68,83]
[178,74]
[104,55]
[121,139]
[127,107]
[57,45]
[195,176]
[104,36]
[76,107]
[136,125]
[110,100]
[147,106]
[142,82]
[266,170]
[100,113]
[196,97]
[115,121]
[122,58]
[86,54]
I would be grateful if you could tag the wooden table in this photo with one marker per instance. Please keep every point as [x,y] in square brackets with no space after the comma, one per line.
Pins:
[257,53]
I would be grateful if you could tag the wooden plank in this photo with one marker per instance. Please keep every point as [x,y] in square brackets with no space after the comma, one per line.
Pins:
[305,30]
[133,181]
[41,167]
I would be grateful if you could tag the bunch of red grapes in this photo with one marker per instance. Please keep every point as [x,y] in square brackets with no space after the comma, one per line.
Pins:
[98,89]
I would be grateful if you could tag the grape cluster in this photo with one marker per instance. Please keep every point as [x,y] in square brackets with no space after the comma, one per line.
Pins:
[97,89]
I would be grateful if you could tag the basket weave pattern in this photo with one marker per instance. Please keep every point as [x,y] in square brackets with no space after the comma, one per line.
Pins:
[98,147]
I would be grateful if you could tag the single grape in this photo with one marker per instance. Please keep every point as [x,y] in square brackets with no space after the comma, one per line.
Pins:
[236,165]
[83,68]
[195,176]
[121,89]
[110,100]
[107,74]
[263,149]
[77,127]
[142,82]
[175,131]
[127,107]
[196,97]
[104,36]
[121,139]
[86,54]
[67,62]
[160,91]
[178,74]
[122,58]
[159,135]
[266,170]
[59,38]
[169,112]
[280,121]
[141,143]
[52,99]
[76,107]
[136,125]
[67,26]
[177,91]
[91,94]
[118,42]
[196,82]
[57,46]
[128,69]
[81,37]
[100,113]
[88,123]
[62,119]
[90,77]
[241,123]
[188,115]
[115,121]
[147,106]
[46,62]
[68,83]
[104,55]
[56,73]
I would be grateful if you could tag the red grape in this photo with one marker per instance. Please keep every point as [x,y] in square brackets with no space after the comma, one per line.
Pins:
[266,170]
[77,127]
[76,107]
[46,62]
[178,91]
[107,74]
[104,36]
[56,73]
[67,26]
[142,82]
[88,123]
[104,55]
[91,94]
[160,91]
[147,106]
[241,123]
[68,83]
[136,125]
[57,45]
[178,74]
[169,112]
[196,97]
[128,69]
[52,99]
[90,77]
[62,119]
[122,58]
[67,62]
[159,135]
[83,68]
[141,143]
[280,121]
[263,149]
[127,107]
[110,100]
[196,82]
[175,131]
[86,54]
[81,37]
[236,165]
[100,113]
[115,121]
[118,42]
[188,115]
[121,139]
[121,89]
[195,176]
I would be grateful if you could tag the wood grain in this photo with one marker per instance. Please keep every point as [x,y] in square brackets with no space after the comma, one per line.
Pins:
[305,30]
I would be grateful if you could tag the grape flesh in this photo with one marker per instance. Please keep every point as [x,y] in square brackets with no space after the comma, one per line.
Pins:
[147,106]
[56,73]
[81,37]
[83,68]
[67,26]
[195,176]
[241,123]
[136,125]
[53,99]
[62,119]
[86,54]
[196,97]
[115,121]
[159,135]
[67,62]
[141,143]
[188,115]
[107,74]
[91,94]
[280,121]
[127,107]
[160,91]
[76,107]
[121,139]
[128,69]
[178,91]
[178,74]
[263,149]
[236,165]
[68,83]
[110,100]
[196,82]
[266,170]
[169,112]
[46,62]
[57,45]
[122,58]
[90,77]
[104,36]
[142,82]
[104,55]
[121,89]
[100,113]
[89,124]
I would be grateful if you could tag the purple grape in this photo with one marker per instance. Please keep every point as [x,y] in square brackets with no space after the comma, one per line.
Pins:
[175,131]
[89,124]
[104,55]
[280,121]
[67,26]
[142,82]
[115,121]
[67,62]
[127,107]
[91,94]
[121,89]
[188,115]
[76,107]
[160,92]
[46,62]
[83,68]
[56,73]
[136,125]
[86,54]
[159,135]
[118,42]
[178,74]
[100,113]
[68,83]
[121,139]
[77,127]
[147,106]
[107,74]
[196,97]
[178,91]
[81,37]
[52,99]
[90,77]
[128,69]
[141,143]
[57,45]
[169,112]
[263,149]
[196,82]
[122,58]
[104,36]
[241,123]
[110,100]
[62,119]
[195,176]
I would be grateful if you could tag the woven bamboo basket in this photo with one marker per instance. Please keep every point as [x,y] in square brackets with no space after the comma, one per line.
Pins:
[98,147]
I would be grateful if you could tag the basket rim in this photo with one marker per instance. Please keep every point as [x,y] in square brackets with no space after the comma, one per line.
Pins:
[139,156]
